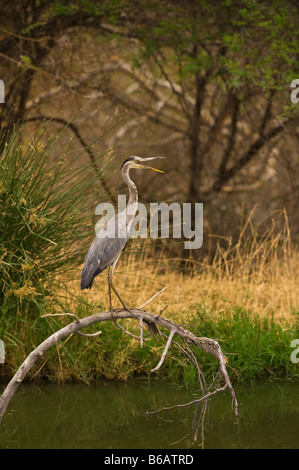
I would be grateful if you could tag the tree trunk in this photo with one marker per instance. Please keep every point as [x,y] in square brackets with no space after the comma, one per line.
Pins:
[196,159]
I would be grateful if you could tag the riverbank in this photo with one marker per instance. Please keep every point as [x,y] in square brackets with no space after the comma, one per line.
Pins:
[257,348]
[249,302]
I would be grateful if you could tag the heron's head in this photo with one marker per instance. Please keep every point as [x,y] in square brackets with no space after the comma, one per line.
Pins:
[139,163]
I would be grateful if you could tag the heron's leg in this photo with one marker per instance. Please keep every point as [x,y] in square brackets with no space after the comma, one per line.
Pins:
[119,297]
[109,289]
[110,282]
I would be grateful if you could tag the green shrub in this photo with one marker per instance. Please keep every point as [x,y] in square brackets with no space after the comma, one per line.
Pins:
[42,212]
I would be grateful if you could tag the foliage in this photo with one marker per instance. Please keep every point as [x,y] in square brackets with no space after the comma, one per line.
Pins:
[242,42]
[111,8]
[43,207]
[257,347]
[214,75]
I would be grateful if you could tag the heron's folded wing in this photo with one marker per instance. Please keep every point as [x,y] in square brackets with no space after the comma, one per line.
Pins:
[105,249]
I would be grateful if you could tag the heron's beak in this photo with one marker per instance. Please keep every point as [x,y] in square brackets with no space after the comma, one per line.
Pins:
[151,168]
[151,158]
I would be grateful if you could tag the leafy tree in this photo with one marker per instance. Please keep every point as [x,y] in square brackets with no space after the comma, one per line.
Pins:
[229,65]
[211,77]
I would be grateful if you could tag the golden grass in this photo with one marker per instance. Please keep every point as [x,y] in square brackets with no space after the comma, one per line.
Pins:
[259,273]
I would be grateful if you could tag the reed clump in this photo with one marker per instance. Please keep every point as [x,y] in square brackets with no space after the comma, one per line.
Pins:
[43,193]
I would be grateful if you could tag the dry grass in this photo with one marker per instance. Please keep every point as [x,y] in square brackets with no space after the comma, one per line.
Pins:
[233,298]
[259,273]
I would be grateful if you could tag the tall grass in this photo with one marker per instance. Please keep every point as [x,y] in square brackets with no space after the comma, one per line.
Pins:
[247,297]
[257,347]
[42,212]
[259,273]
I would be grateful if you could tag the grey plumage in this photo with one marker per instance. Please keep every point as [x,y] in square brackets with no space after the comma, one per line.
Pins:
[102,253]
[112,239]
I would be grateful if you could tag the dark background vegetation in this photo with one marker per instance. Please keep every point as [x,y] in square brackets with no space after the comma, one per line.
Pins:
[205,83]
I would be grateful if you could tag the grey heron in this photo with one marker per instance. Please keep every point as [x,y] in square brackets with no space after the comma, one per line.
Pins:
[105,250]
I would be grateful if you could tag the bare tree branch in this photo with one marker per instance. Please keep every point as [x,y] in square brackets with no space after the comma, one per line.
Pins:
[197,400]
[75,130]
[152,298]
[231,141]
[175,89]
[208,345]
[246,157]
[164,352]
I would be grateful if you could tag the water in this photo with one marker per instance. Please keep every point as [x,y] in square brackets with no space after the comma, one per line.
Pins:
[112,416]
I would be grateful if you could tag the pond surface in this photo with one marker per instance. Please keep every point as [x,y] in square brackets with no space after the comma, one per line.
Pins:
[112,415]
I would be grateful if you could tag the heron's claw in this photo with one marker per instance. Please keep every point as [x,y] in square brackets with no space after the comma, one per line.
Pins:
[127,308]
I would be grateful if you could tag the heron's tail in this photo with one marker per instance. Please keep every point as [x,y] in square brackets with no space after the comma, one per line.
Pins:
[87,278]
[88,274]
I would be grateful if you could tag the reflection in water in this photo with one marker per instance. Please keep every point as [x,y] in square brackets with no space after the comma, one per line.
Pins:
[112,416]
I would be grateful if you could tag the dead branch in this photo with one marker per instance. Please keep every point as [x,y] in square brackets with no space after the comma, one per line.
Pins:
[208,345]
[86,147]
[152,298]
[165,351]
[196,400]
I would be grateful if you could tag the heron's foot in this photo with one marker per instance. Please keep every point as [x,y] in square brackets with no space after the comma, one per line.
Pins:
[124,306]
[127,308]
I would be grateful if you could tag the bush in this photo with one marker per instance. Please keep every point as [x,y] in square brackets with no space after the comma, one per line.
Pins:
[42,211]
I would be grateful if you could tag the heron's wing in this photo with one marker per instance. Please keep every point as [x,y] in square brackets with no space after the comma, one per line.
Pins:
[105,249]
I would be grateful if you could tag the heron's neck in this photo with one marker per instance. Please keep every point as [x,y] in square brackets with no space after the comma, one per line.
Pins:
[133,196]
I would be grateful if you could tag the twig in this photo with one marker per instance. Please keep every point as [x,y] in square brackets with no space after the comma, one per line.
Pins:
[163,310]
[193,359]
[89,335]
[165,351]
[181,405]
[141,332]
[152,298]
[126,331]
